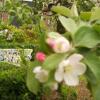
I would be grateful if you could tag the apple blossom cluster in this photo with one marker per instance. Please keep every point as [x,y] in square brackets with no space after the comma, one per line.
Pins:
[68,70]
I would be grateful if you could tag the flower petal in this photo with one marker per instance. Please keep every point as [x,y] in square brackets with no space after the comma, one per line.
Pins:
[50,42]
[37,69]
[75,58]
[79,68]
[62,45]
[59,74]
[71,80]
[63,64]
[42,76]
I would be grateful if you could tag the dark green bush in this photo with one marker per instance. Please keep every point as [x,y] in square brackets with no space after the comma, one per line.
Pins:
[12,83]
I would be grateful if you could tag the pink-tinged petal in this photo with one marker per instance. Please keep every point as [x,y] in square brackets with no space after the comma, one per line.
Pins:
[71,80]
[62,45]
[79,68]
[75,58]
[50,42]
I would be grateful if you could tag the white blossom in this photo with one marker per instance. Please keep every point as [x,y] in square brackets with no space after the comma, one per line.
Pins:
[69,70]
[40,74]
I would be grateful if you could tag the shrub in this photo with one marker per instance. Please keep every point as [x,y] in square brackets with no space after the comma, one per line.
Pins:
[12,83]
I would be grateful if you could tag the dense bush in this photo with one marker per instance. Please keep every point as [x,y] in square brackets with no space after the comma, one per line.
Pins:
[12,83]
[26,35]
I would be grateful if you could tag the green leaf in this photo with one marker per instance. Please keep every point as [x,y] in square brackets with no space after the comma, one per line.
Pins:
[96,91]
[32,83]
[68,23]
[90,77]
[42,43]
[74,11]
[93,63]
[95,14]
[53,60]
[85,16]
[50,82]
[94,85]
[97,28]
[61,10]
[86,37]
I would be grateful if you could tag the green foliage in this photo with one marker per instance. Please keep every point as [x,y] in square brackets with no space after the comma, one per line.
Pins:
[90,15]
[52,61]
[86,37]
[12,83]
[67,93]
[32,83]
[85,5]
[95,14]
[96,27]
[43,46]
[61,10]
[93,63]
[69,24]
[85,16]
[22,37]
[21,12]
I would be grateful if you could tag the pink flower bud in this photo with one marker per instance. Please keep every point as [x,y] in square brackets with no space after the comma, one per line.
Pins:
[40,56]
[57,42]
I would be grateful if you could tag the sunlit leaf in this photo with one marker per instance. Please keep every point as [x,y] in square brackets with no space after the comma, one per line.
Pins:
[68,23]
[53,60]
[95,14]
[61,10]
[97,28]
[86,37]
[85,16]
[32,83]
[74,11]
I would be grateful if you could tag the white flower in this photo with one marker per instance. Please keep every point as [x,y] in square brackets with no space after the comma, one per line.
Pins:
[69,70]
[40,74]
[58,43]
